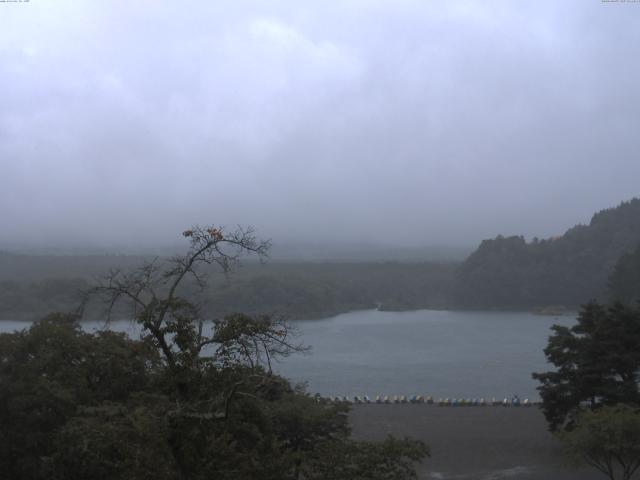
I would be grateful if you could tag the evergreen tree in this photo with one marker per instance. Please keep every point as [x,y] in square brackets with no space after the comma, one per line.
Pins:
[624,282]
[597,363]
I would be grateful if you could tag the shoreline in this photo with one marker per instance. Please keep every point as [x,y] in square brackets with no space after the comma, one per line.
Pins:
[472,443]
[314,316]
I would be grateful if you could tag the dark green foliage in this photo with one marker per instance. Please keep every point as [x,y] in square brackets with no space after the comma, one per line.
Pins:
[75,405]
[46,373]
[33,299]
[184,402]
[607,439]
[597,361]
[295,290]
[112,441]
[508,272]
[316,290]
[624,283]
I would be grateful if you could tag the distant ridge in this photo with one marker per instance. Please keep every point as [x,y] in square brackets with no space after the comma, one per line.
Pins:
[508,272]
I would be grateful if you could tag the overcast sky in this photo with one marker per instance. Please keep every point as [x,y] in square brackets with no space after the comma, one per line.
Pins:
[386,122]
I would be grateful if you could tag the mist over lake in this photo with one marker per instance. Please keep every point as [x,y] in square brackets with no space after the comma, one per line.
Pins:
[221,221]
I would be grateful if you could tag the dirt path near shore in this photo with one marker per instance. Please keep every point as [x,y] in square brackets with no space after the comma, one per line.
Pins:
[480,443]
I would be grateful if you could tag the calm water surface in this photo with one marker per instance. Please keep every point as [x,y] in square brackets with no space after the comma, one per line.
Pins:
[439,353]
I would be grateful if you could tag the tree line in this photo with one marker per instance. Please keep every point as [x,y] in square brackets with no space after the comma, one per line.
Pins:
[591,399]
[294,290]
[191,399]
[509,272]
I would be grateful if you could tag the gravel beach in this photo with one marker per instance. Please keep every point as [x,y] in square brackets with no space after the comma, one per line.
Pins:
[480,443]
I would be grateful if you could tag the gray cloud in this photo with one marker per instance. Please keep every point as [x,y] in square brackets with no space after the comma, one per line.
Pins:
[387,122]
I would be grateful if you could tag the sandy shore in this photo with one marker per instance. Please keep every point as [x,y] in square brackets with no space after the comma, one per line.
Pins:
[483,443]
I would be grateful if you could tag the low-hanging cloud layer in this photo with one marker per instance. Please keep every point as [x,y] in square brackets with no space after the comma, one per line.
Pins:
[386,122]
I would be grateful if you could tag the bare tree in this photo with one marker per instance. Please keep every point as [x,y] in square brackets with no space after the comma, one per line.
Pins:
[253,341]
[152,295]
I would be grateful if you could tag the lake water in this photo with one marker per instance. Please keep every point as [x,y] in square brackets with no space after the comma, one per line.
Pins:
[424,352]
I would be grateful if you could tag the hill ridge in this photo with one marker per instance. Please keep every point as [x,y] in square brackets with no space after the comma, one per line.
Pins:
[509,272]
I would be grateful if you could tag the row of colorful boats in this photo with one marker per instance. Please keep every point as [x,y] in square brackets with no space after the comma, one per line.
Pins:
[443,402]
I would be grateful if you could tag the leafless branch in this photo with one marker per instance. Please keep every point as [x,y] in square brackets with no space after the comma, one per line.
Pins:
[151,291]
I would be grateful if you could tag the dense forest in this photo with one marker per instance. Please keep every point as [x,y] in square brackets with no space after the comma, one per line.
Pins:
[506,272]
[179,403]
[509,272]
[624,283]
[31,286]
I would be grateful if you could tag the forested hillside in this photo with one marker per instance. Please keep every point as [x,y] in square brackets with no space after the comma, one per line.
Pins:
[32,286]
[624,283]
[508,272]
